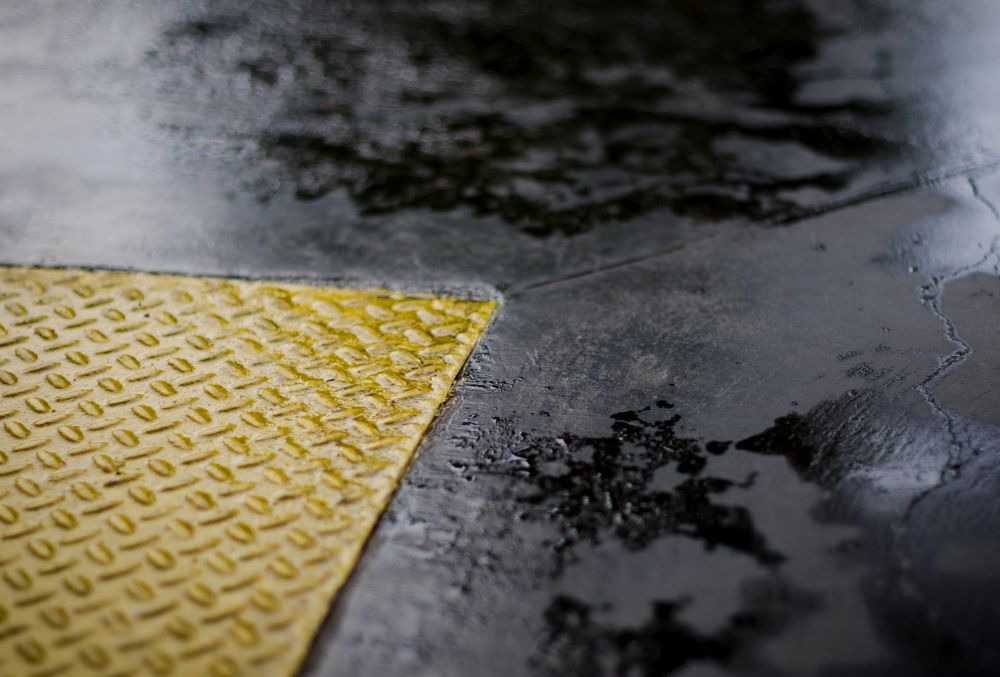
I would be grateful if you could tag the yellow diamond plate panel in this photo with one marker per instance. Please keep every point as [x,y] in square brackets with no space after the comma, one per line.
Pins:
[189,467]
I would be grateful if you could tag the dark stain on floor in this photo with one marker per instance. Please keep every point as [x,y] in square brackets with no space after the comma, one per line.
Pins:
[554,117]
[596,488]
[663,644]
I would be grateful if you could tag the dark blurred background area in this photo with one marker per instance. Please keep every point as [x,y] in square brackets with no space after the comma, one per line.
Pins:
[556,119]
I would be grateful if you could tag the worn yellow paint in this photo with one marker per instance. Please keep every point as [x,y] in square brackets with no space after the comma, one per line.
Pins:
[189,467]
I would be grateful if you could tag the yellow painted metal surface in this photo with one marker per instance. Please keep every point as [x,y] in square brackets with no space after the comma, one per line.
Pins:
[189,467]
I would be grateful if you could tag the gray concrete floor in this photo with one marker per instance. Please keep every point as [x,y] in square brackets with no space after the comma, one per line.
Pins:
[738,411]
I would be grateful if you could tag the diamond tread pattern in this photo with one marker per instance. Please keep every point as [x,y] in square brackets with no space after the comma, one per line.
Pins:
[189,467]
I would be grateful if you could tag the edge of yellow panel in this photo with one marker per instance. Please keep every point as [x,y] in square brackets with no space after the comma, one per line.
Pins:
[301,649]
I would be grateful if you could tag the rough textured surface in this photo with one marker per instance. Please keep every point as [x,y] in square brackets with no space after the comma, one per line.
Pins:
[191,467]
[778,217]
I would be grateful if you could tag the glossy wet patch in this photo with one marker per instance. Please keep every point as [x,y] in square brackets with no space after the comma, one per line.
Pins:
[577,643]
[615,487]
[483,106]
[190,467]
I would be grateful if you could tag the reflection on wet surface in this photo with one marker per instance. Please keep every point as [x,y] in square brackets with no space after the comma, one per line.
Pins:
[638,484]
[664,645]
[555,118]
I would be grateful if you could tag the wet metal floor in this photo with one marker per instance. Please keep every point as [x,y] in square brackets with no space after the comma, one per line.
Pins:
[737,412]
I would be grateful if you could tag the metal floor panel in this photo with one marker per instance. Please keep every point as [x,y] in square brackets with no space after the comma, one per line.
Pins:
[190,467]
